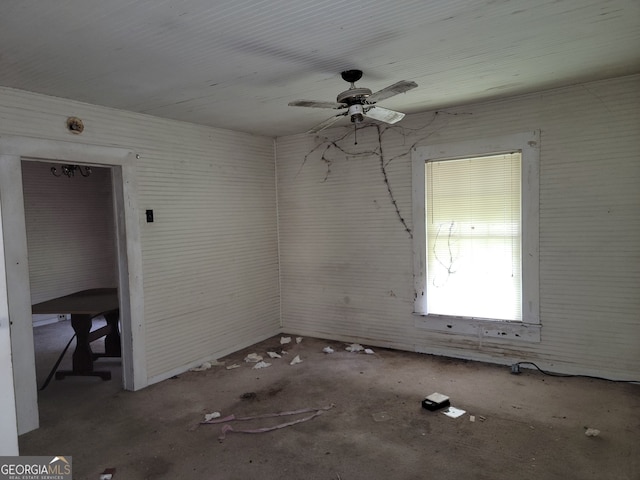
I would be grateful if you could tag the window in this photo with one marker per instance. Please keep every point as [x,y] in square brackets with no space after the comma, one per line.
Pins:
[476,237]
[473,236]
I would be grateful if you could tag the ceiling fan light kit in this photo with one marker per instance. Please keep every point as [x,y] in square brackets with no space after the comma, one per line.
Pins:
[359,102]
[356,112]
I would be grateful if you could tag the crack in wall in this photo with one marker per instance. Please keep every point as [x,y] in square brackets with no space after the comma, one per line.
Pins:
[328,146]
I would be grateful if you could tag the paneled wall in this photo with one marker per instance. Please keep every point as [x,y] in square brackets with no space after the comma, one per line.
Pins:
[70,230]
[345,229]
[210,258]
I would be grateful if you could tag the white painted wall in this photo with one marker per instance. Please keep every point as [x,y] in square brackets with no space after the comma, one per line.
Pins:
[210,260]
[346,259]
[70,231]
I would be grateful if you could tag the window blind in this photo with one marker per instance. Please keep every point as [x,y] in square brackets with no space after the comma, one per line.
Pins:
[473,223]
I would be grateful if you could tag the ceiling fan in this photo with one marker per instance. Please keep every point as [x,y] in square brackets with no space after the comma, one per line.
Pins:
[359,102]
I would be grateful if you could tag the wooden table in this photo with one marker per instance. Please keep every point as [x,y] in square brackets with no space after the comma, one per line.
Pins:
[84,306]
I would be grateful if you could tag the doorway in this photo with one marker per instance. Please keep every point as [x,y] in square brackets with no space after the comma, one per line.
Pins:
[120,162]
[70,226]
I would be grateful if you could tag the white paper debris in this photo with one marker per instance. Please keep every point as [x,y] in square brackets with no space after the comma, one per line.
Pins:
[284,340]
[211,416]
[202,368]
[368,351]
[106,476]
[253,358]
[454,412]
[298,339]
[231,367]
[472,418]
[354,347]
[295,360]
[273,355]
[261,365]
[328,350]
[592,432]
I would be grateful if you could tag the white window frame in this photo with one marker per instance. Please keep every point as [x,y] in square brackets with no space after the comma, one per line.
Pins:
[528,144]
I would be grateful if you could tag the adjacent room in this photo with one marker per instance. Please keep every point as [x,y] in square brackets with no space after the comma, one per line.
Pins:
[400,238]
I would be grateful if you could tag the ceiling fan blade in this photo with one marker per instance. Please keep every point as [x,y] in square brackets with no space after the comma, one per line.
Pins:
[400,87]
[384,114]
[316,104]
[327,123]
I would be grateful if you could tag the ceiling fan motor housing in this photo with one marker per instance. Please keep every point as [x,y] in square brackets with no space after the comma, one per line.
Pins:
[354,95]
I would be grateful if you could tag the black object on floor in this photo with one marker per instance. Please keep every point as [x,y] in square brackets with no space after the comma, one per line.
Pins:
[435,401]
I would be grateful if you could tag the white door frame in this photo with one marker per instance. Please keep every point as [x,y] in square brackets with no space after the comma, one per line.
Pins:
[13,150]
[8,419]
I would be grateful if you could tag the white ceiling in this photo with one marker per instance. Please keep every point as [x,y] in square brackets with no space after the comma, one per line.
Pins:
[237,63]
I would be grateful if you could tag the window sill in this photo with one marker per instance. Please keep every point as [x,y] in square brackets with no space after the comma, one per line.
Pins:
[489,330]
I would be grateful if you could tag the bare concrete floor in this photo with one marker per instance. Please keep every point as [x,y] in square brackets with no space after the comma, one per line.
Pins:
[527,426]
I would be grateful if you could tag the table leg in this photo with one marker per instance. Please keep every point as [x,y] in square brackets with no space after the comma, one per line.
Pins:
[82,356]
[112,346]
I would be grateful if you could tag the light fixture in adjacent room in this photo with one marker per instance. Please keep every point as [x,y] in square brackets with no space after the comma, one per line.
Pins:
[70,171]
